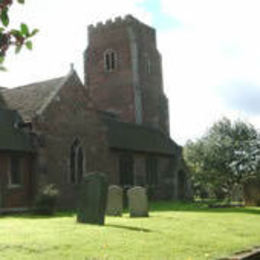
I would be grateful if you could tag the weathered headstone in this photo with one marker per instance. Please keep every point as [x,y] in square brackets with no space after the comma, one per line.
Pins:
[115,201]
[92,199]
[137,202]
[251,188]
[237,193]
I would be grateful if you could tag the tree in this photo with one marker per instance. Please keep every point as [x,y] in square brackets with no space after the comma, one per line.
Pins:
[12,37]
[227,155]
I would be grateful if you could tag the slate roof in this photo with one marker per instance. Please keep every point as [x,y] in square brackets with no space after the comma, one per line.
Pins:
[31,99]
[12,138]
[132,137]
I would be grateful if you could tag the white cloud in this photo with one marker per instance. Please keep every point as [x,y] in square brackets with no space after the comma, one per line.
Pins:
[216,43]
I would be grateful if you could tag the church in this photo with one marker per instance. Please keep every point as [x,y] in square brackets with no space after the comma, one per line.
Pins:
[116,122]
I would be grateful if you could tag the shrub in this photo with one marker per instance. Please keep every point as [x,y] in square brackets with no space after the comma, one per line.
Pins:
[45,202]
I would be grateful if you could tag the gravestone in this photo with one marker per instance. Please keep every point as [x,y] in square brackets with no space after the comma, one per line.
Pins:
[251,189]
[92,199]
[114,201]
[137,202]
[237,193]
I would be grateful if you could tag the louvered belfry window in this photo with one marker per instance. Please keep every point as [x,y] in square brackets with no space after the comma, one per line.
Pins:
[110,60]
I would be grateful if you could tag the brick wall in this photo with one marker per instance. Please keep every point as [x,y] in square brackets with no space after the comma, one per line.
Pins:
[70,116]
[16,196]
[132,90]
[168,168]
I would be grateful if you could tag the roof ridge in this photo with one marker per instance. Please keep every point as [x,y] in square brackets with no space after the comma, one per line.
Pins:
[33,83]
[54,93]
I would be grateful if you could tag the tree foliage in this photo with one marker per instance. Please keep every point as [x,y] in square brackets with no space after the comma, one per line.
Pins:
[224,157]
[18,37]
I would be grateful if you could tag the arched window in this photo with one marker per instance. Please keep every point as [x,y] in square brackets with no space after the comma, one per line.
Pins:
[76,162]
[110,60]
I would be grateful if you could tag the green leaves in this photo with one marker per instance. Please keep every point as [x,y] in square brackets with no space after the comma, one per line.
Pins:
[226,155]
[24,30]
[29,45]
[35,31]
[1,59]
[4,17]
[2,68]
[13,37]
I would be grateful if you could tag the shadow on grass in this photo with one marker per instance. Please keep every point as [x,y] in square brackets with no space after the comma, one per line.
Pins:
[60,214]
[129,228]
[160,206]
[200,207]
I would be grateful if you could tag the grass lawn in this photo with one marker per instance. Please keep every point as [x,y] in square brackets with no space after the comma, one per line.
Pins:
[173,231]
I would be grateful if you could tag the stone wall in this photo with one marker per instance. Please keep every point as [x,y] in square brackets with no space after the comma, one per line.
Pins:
[134,89]
[69,116]
[16,196]
[168,169]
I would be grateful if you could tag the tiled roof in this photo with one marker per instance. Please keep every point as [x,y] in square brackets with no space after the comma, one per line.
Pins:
[30,99]
[132,137]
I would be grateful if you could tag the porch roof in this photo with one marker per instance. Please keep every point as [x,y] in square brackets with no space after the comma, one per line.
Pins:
[129,136]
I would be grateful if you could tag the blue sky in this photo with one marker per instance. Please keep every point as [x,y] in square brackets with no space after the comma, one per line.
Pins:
[160,20]
[210,51]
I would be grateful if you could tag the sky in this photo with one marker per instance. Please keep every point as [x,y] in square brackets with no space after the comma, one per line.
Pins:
[210,51]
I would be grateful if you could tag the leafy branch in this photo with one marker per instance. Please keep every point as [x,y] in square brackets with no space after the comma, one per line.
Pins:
[12,37]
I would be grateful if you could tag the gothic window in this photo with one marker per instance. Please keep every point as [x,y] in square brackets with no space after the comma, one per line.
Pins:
[110,60]
[151,171]
[15,171]
[76,162]
[126,163]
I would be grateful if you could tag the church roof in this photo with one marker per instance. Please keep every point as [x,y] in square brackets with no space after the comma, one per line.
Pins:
[30,99]
[132,137]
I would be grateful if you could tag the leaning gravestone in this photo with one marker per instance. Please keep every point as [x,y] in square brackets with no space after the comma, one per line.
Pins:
[115,201]
[92,199]
[137,202]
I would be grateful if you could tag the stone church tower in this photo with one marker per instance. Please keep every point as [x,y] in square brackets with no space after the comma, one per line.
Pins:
[123,72]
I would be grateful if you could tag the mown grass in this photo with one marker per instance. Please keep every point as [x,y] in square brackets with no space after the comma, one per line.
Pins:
[173,231]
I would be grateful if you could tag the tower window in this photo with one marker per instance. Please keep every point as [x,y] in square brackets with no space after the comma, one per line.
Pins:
[76,162]
[110,60]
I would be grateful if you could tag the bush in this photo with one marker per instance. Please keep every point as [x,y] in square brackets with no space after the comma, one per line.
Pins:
[45,202]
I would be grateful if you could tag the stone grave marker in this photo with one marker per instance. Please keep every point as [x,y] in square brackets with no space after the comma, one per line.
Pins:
[251,189]
[114,201]
[92,198]
[137,202]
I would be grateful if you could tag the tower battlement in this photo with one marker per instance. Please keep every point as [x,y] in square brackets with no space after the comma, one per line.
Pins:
[119,22]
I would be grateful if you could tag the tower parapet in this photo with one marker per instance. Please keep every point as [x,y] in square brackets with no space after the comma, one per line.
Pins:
[118,22]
